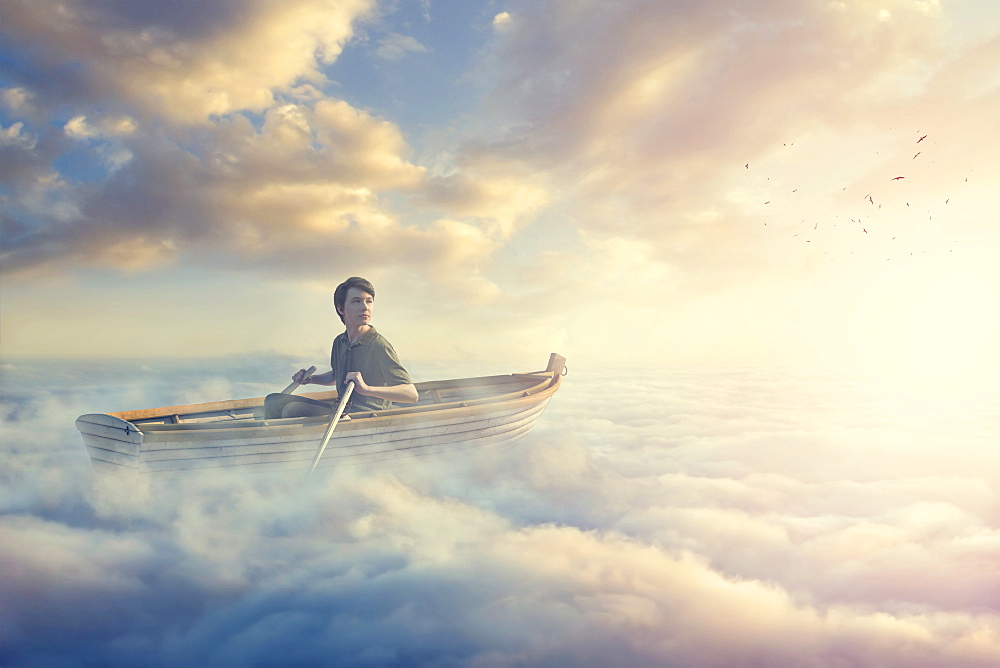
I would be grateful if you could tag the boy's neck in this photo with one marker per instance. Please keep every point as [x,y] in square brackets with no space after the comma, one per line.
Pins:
[355,333]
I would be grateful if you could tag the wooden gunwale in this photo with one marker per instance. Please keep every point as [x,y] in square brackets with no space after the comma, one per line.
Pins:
[383,416]
[167,412]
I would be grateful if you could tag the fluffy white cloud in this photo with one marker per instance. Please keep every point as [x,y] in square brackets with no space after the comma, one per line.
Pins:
[79,127]
[830,520]
[16,135]
[17,100]
[502,20]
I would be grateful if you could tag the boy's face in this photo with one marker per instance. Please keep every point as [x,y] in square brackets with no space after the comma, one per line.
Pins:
[359,308]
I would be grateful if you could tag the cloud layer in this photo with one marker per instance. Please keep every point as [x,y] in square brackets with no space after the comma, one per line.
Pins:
[740,517]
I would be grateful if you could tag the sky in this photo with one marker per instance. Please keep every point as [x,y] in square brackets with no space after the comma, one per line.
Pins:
[777,183]
[763,233]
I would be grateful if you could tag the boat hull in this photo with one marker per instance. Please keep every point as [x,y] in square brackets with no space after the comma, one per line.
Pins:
[486,411]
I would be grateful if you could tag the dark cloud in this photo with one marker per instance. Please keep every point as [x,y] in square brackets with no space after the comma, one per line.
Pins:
[184,20]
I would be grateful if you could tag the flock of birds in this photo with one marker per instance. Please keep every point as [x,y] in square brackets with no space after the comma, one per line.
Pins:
[863,220]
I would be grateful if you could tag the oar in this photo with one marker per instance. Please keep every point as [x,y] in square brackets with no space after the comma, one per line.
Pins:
[291,388]
[259,413]
[333,425]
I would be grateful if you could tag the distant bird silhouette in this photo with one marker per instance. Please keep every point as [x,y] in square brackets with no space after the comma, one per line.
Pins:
[921,139]
[915,156]
[896,178]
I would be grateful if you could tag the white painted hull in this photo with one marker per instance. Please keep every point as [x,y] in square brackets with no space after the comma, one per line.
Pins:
[451,416]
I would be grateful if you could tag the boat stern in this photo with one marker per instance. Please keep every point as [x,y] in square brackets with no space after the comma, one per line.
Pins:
[113,443]
[557,365]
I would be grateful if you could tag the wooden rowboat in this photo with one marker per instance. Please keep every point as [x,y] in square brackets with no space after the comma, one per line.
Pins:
[451,415]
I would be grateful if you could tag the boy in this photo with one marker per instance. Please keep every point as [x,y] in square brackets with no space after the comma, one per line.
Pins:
[360,354]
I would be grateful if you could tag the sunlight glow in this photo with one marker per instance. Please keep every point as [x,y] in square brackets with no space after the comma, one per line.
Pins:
[938,320]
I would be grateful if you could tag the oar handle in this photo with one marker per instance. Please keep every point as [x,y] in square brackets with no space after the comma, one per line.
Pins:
[291,388]
[333,425]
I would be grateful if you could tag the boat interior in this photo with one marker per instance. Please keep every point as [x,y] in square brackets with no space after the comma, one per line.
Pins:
[433,395]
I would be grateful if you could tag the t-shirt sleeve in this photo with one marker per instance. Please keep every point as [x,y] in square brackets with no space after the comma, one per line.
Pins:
[392,371]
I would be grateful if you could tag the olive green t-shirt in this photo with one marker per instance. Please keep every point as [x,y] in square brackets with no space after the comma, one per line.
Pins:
[378,363]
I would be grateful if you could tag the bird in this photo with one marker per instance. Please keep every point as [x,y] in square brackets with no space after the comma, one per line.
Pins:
[896,178]
[921,139]
[915,156]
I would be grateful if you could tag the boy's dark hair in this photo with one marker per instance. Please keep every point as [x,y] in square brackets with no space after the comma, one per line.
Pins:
[340,294]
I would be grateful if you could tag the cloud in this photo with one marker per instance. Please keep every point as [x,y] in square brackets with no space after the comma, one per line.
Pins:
[294,183]
[650,133]
[831,521]
[298,191]
[653,98]
[714,157]
[502,20]
[15,135]
[505,200]
[17,101]
[189,64]
[395,46]
[79,128]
